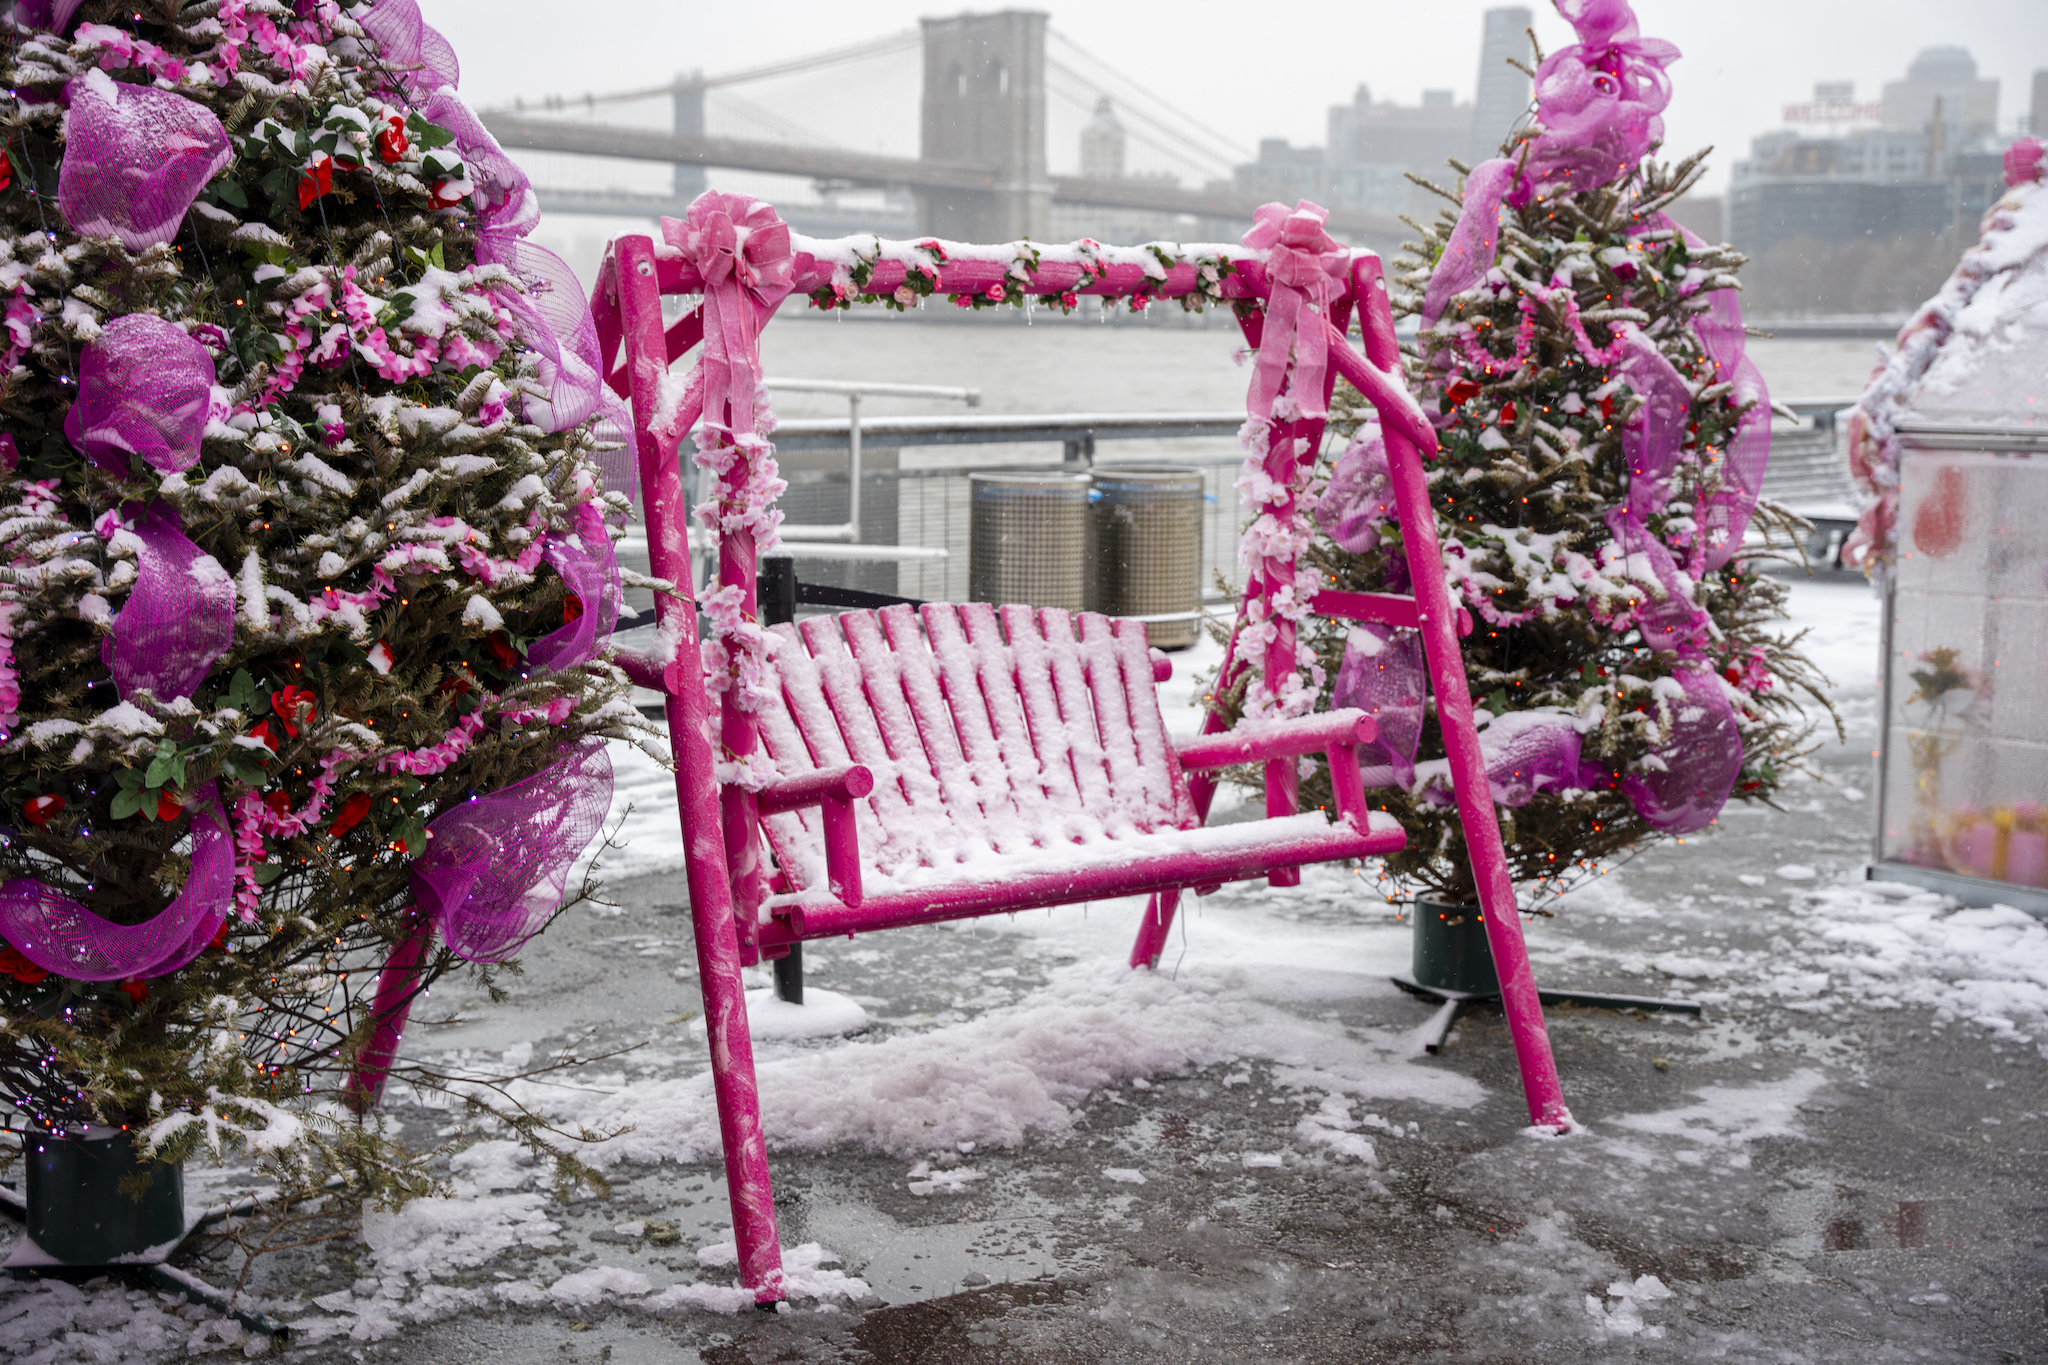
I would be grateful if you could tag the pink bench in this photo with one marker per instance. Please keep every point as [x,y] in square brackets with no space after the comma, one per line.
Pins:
[969,760]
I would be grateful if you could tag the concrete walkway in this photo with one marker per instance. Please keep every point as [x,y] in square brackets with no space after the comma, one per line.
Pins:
[1032,1157]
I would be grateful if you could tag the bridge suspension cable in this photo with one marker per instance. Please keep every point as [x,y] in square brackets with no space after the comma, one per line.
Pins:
[887,45]
[1134,102]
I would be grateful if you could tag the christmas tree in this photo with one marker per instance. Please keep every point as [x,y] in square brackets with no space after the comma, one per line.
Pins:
[1602,443]
[308,571]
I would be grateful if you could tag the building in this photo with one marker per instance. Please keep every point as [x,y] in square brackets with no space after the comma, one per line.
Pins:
[1373,146]
[1102,144]
[1848,208]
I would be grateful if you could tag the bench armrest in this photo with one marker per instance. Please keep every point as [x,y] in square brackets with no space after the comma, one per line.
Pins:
[1336,734]
[833,791]
[1286,739]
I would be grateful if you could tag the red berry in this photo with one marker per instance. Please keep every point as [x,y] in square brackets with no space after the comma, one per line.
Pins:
[39,809]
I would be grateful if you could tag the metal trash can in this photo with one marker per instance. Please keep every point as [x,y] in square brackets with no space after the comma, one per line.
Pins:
[1147,548]
[1028,539]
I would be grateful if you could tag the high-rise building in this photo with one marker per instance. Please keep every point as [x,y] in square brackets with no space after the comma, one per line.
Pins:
[1503,97]
[1943,78]
[1374,145]
[1102,144]
[2037,117]
[1860,207]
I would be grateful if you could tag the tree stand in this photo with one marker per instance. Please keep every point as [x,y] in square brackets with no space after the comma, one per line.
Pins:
[79,1219]
[1453,965]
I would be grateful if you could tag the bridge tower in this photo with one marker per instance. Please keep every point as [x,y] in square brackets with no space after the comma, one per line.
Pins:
[984,105]
[689,116]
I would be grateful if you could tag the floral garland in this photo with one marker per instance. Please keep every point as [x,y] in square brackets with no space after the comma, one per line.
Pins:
[925,258]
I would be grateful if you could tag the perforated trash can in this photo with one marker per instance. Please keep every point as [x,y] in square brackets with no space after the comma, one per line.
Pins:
[1028,539]
[1147,548]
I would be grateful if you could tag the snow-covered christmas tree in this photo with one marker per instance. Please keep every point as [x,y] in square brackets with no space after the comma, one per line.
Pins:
[1603,439]
[307,574]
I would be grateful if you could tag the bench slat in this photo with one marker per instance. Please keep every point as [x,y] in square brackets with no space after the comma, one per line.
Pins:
[896,646]
[991,733]
[960,677]
[1050,739]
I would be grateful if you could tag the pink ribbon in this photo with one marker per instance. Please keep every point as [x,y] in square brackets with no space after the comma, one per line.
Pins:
[742,250]
[590,569]
[180,614]
[135,157]
[1301,258]
[493,874]
[65,939]
[144,386]
[1598,107]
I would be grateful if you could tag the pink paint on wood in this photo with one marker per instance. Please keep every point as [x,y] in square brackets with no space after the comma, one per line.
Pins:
[1099,872]
[397,987]
[847,783]
[1461,737]
[1284,739]
[1154,928]
[689,727]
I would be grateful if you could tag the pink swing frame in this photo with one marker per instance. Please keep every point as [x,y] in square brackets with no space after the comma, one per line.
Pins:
[719,825]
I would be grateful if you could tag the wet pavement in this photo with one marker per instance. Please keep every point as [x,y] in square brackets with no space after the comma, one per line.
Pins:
[1800,1175]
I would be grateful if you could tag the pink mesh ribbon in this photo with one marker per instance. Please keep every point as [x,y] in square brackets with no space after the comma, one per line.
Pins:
[496,866]
[553,318]
[504,197]
[1599,103]
[590,569]
[1301,259]
[1700,760]
[179,616]
[143,389]
[1360,496]
[742,250]
[65,939]
[414,53]
[54,15]
[492,876]
[1723,515]
[135,158]
[1474,241]
[1383,674]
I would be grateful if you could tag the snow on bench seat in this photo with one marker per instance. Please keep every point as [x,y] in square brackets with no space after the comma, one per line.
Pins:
[1016,752]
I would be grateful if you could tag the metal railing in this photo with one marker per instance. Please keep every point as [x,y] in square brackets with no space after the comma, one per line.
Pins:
[905,530]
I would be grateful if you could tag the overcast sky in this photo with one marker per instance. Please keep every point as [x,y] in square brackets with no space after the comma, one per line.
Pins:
[1272,69]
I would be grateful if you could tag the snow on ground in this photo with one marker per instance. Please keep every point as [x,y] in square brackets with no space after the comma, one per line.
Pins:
[1010,1074]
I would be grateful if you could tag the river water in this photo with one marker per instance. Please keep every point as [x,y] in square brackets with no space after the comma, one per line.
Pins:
[1166,362]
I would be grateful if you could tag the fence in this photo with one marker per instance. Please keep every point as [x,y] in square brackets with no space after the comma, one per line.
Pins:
[913,522]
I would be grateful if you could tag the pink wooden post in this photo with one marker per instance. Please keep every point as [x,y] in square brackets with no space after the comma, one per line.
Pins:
[397,985]
[1153,930]
[1454,710]
[689,727]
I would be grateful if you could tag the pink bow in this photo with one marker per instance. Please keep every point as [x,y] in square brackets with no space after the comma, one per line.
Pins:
[1300,260]
[742,250]
[2023,161]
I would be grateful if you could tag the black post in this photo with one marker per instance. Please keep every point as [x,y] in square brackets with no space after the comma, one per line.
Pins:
[789,975]
[776,593]
[776,590]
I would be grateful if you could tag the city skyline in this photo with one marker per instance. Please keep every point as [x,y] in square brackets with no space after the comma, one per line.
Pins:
[1743,62]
